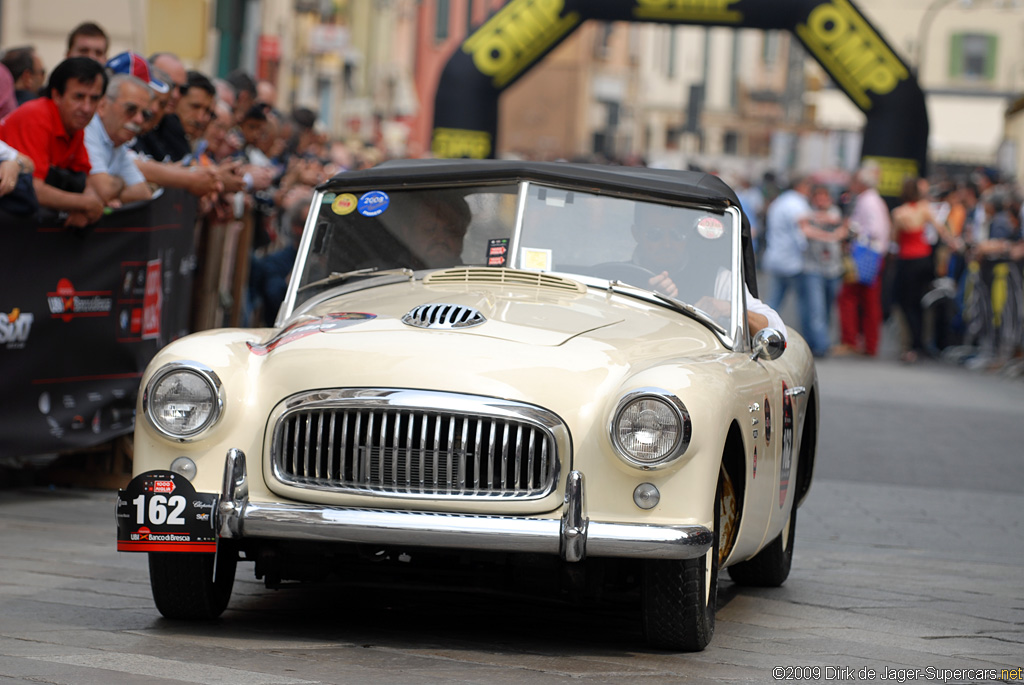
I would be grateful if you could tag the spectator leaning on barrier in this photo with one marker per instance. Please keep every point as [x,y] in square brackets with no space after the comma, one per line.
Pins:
[50,130]
[195,108]
[8,103]
[245,91]
[27,70]
[12,165]
[88,40]
[165,140]
[116,177]
[171,65]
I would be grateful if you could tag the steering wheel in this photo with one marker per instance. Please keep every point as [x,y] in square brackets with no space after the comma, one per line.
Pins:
[627,272]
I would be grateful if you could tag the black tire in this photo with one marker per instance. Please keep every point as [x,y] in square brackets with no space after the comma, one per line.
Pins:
[184,587]
[679,597]
[770,567]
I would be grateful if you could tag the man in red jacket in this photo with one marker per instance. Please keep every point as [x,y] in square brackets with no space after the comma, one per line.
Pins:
[50,130]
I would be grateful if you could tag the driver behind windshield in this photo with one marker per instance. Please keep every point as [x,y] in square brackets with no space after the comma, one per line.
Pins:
[431,227]
[680,270]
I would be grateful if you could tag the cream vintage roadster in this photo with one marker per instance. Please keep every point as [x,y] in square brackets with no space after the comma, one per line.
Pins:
[520,363]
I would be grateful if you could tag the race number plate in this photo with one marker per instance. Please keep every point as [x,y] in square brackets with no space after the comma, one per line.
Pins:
[160,511]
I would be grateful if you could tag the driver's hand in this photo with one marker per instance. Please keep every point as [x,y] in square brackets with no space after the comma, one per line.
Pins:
[715,308]
[663,284]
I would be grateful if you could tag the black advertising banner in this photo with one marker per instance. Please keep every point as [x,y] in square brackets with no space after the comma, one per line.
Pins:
[834,32]
[81,314]
[160,511]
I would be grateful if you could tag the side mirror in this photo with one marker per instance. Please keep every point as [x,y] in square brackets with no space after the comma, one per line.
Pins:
[768,344]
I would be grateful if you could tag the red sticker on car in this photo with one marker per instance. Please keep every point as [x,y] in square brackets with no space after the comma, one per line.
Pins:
[711,228]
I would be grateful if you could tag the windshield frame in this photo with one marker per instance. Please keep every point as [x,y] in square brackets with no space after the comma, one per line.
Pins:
[734,336]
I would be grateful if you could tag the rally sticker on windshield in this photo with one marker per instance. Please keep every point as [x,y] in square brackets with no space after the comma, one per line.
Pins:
[160,511]
[535,259]
[373,203]
[711,228]
[344,204]
[497,252]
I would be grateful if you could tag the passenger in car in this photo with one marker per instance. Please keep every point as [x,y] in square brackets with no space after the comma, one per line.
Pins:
[431,228]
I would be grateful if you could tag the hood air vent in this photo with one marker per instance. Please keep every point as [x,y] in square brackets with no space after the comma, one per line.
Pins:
[443,316]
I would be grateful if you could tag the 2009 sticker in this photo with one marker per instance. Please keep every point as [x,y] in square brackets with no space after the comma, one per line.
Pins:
[373,203]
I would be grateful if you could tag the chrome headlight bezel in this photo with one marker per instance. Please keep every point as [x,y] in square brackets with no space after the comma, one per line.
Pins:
[209,378]
[676,410]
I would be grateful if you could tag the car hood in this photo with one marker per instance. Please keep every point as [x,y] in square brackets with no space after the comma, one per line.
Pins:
[539,316]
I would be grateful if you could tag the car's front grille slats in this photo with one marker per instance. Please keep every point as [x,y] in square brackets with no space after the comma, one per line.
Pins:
[401,451]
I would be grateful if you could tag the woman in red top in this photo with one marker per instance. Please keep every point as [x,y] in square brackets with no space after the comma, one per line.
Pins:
[915,268]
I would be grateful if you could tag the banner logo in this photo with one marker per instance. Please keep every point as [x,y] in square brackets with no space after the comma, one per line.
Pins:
[14,328]
[517,36]
[152,301]
[66,303]
[456,143]
[852,52]
[689,10]
[891,172]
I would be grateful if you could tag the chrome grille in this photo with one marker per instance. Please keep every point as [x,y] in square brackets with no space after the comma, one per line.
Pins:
[348,444]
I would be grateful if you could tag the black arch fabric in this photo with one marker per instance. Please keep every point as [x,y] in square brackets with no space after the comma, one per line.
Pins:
[834,32]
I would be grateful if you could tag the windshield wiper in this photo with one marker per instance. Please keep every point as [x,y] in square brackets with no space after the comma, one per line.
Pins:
[339,276]
[678,305]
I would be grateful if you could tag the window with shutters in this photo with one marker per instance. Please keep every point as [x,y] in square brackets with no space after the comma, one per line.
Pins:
[972,56]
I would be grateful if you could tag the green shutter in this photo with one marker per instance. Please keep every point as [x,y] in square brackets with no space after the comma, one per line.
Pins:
[990,57]
[956,56]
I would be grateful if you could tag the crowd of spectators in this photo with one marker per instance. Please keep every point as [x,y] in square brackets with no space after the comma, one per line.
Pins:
[99,132]
[910,261]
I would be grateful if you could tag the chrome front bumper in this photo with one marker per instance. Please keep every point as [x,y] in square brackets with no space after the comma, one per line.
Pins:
[571,536]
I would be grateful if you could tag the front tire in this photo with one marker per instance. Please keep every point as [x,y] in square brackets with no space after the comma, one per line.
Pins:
[184,587]
[679,596]
[769,567]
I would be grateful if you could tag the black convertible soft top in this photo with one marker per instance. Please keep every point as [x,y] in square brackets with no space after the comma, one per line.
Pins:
[664,184]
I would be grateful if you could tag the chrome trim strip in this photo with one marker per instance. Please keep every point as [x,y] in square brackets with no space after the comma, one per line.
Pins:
[571,536]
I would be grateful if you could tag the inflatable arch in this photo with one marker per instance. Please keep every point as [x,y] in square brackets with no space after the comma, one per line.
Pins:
[834,32]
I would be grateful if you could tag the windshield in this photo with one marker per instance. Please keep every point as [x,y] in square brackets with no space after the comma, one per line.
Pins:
[681,252]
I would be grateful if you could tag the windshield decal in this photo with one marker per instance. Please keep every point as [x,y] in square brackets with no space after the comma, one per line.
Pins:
[711,228]
[307,327]
[373,203]
[497,252]
[535,259]
[344,204]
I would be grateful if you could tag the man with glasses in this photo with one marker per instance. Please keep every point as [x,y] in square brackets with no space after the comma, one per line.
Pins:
[119,119]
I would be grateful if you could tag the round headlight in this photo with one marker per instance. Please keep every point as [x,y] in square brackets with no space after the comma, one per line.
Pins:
[183,399]
[651,427]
